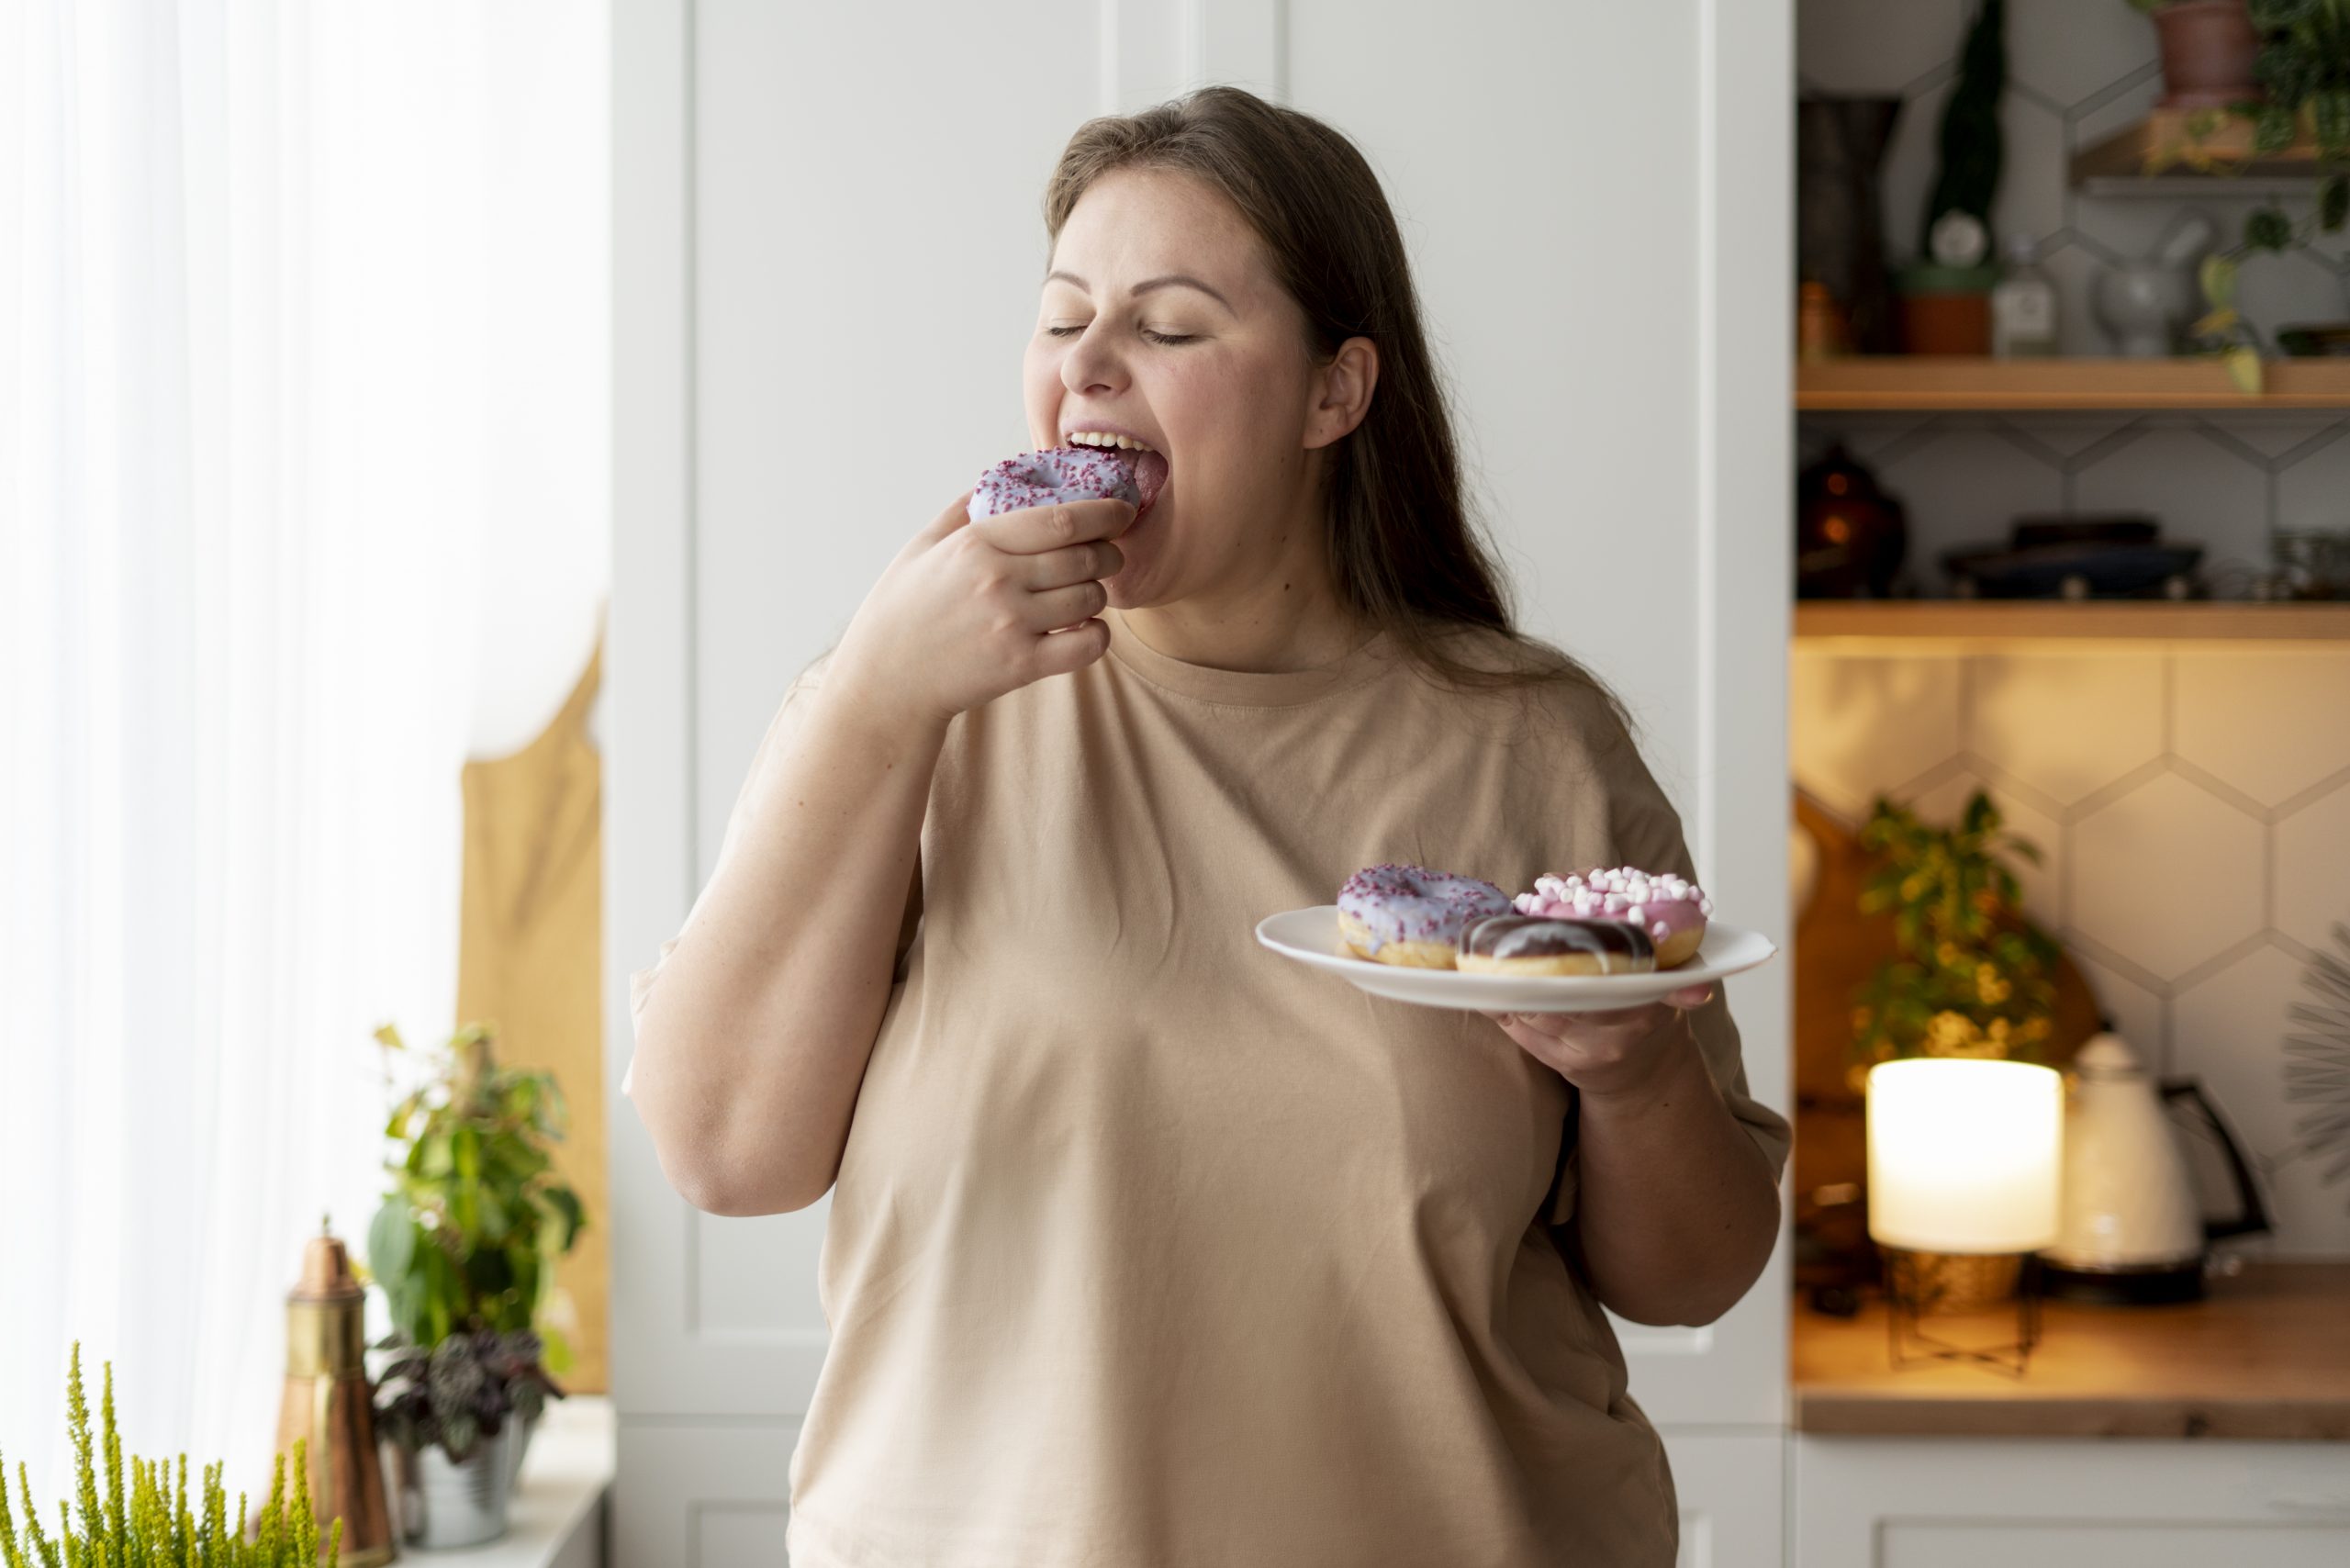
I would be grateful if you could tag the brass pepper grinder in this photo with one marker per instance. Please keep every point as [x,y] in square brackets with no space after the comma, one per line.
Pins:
[328,1402]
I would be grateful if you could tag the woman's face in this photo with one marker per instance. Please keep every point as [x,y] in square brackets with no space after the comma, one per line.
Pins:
[1161,320]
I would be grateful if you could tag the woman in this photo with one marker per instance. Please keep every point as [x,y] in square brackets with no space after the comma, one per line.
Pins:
[1147,1247]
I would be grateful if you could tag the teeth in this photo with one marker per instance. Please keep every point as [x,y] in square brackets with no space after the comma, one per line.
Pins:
[1102,438]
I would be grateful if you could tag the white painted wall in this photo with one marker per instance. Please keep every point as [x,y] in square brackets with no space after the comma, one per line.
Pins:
[826,223]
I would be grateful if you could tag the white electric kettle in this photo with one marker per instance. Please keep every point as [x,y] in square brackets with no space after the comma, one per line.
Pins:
[2131,1223]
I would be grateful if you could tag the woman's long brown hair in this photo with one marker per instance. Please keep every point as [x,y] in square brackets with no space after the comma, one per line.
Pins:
[1405,555]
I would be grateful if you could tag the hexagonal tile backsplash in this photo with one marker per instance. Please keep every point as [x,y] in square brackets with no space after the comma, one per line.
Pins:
[2193,805]
[2078,72]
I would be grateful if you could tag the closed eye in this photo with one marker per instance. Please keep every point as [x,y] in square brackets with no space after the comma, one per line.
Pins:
[1154,337]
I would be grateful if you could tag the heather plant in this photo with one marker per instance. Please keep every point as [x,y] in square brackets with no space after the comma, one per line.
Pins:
[154,1526]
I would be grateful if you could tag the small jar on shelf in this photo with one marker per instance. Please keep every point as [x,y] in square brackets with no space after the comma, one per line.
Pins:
[2023,306]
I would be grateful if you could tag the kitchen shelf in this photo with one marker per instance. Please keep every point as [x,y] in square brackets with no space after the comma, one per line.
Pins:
[2263,1357]
[2116,165]
[2129,619]
[1938,383]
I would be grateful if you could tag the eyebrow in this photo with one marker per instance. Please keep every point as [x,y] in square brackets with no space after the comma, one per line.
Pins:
[1179,280]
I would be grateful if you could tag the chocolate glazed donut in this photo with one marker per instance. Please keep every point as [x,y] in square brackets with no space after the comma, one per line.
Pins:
[1545,945]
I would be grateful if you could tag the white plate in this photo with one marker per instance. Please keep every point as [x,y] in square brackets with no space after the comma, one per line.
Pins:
[1311,936]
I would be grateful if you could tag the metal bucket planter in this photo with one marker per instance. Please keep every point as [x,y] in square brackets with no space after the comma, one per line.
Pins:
[443,1502]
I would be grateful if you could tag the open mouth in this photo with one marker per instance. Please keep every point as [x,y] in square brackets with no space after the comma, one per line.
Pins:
[1141,466]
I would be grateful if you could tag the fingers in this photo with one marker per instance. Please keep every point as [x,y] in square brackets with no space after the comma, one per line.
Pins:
[1033,530]
[1089,561]
[1057,607]
[1059,653]
[1690,996]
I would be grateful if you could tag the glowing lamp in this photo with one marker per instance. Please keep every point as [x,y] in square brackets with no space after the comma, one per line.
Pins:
[1964,1156]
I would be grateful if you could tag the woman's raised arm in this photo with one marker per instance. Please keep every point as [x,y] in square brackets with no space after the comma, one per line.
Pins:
[754,1028]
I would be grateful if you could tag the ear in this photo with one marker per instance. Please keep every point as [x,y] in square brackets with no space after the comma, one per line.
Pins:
[1339,392]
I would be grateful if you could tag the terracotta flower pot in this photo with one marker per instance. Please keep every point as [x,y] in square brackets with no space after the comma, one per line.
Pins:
[2208,50]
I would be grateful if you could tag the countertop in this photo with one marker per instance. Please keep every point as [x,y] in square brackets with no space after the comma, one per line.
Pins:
[2266,1356]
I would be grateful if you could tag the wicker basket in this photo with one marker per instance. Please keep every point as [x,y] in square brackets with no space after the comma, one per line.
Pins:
[1953,1282]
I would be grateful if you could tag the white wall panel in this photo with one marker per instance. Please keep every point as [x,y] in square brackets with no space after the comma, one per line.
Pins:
[706,1494]
[1603,276]
[1732,1497]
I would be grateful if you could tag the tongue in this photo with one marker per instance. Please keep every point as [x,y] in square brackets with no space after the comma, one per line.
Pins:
[1151,478]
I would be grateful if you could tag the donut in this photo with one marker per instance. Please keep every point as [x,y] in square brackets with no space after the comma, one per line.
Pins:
[1671,909]
[1538,944]
[1069,473]
[1412,916]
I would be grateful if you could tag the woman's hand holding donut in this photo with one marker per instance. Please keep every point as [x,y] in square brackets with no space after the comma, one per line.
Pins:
[968,611]
[1624,1051]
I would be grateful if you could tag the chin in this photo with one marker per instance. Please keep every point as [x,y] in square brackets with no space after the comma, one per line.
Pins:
[1125,596]
[1142,583]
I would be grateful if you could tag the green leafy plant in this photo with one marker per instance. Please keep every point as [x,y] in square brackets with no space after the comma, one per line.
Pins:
[1970,976]
[154,1524]
[468,1235]
[462,1390]
[2303,68]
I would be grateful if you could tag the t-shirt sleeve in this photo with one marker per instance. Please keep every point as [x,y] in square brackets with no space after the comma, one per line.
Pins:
[1643,830]
[787,715]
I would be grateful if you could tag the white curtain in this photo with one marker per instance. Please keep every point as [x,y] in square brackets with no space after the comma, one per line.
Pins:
[268,286]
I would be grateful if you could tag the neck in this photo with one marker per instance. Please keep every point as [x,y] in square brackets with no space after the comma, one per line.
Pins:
[1279,616]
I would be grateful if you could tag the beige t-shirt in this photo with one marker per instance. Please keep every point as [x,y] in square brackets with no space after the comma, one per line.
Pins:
[1150,1247]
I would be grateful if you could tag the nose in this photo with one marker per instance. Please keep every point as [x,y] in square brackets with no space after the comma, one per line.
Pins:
[1091,365]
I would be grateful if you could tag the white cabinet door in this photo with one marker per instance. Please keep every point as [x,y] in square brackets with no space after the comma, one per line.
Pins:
[1733,1495]
[1925,1503]
[825,226]
[715,1495]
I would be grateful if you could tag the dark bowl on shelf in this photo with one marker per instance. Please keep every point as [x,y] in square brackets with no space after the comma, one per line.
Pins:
[2033,529]
[2052,571]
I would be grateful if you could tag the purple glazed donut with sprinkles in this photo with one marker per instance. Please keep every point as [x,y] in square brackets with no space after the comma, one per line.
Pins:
[1412,916]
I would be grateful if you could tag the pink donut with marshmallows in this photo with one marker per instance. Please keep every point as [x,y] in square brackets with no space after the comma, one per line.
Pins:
[1069,473]
[1672,910]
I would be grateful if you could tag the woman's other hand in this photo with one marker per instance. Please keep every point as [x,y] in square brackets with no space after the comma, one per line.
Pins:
[969,611]
[1605,1054]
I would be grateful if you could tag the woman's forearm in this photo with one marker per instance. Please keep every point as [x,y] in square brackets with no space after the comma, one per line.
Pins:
[1676,1207]
[752,1043]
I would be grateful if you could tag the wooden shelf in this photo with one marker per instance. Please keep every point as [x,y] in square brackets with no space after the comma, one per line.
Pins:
[2117,165]
[1936,383]
[2264,1358]
[2013,620]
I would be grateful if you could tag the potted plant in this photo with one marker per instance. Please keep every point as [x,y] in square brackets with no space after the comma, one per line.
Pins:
[2207,50]
[464,1247]
[2302,90]
[456,1414]
[1971,976]
[154,1522]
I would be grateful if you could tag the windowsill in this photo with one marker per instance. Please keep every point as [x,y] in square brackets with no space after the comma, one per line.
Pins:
[557,1516]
